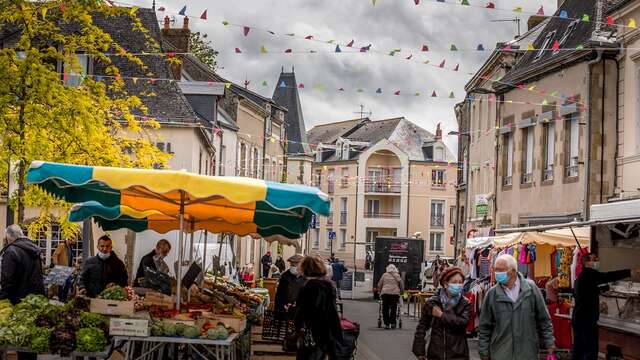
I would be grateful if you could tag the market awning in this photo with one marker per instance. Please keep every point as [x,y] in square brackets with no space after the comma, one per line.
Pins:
[622,211]
[142,199]
[559,237]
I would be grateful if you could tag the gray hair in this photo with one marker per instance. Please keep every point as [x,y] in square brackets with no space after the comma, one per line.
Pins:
[510,260]
[14,232]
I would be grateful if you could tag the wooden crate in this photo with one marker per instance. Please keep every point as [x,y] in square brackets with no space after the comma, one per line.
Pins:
[237,323]
[111,307]
[128,327]
[153,298]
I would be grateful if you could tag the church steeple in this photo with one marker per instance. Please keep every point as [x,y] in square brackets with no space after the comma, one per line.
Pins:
[288,97]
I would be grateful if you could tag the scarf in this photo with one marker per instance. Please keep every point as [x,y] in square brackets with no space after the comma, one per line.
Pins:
[448,303]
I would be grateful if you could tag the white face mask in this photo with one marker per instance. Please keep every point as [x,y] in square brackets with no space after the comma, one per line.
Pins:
[103,256]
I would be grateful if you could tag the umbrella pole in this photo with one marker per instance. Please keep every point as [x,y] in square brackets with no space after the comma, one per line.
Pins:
[216,271]
[204,252]
[180,252]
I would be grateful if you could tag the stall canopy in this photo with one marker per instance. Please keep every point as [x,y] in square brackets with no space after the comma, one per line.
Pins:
[559,237]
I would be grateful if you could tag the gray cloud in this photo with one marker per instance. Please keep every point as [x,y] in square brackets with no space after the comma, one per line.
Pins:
[389,25]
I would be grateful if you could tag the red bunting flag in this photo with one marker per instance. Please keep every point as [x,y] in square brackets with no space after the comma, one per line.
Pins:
[609,20]
[491,5]
[556,45]
[540,11]
[65,76]
[397,93]
[409,57]
[442,63]
[507,47]
[117,77]
[161,8]
[61,7]
[457,67]
[204,15]
[171,55]
[425,48]
[288,51]
[152,81]
[308,37]
[245,30]
[238,51]
[350,44]
[417,2]
[301,86]
[433,94]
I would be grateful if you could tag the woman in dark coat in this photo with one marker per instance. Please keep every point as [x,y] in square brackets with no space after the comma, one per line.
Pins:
[316,311]
[447,314]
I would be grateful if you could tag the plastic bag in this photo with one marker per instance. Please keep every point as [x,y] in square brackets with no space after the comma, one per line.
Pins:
[551,356]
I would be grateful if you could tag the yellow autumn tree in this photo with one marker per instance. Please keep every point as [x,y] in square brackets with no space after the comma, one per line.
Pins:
[44,116]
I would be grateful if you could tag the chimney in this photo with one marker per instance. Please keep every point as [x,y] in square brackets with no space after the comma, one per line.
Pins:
[179,38]
[438,133]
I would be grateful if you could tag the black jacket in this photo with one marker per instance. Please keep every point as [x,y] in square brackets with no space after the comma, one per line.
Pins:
[146,262]
[338,270]
[98,273]
[280,264]
[21,271]
[316,308]
[289,287]
[587,295]
[448,333]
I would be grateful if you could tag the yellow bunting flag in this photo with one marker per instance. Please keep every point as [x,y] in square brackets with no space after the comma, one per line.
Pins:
[530,47]
[44,13]
[263,50]
[225,23]
[374,2]
[532,87]
[227,85]
[518,9]
[632,23]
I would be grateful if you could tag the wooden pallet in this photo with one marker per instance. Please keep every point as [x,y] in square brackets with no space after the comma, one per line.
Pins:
[267,349]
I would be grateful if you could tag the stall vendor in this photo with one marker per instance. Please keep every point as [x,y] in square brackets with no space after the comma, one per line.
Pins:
[290,284]
[586,312]
[103,270]
[154,260]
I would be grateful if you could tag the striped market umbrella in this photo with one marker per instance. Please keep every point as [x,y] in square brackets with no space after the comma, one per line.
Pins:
[164,200]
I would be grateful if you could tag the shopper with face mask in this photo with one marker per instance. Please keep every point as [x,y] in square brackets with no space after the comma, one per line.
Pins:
[289,286]
[103,270]
[586,311]
[154,261]
[447,315]
[514,321]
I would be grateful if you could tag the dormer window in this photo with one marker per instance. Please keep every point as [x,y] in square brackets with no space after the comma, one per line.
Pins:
[345,151]
[428,152]
[545,45]
[281,115]
[268,108]
[339,150]
[568,31]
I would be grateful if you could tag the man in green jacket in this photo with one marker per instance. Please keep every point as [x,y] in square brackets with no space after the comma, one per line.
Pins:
[514,320]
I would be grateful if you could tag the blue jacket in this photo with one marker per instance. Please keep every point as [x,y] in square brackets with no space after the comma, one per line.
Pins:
[338,270]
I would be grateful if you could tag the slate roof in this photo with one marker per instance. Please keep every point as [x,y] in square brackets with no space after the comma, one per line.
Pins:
[168,104]
[556,27]
[613,5]
[226,121]
[374,131]
[286,95]
[329,133]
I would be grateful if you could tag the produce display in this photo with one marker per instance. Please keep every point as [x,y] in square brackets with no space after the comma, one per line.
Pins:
[208,330]
[116,293]
[41,327]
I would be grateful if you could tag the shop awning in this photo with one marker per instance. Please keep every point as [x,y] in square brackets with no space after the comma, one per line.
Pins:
[626,210]
[558,237]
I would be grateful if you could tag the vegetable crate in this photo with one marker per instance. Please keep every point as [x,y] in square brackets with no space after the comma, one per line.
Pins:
[111,307]
[275,325]
[237,323]
[128,327]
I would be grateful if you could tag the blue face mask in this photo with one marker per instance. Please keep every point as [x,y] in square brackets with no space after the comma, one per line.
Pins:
[502,277]
[454,289]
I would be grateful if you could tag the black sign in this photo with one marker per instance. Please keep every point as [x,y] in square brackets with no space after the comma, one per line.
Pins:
[406,254]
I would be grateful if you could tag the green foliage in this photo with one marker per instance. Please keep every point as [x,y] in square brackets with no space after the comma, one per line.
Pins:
[117,293]
[90,340]
[203,50]
[41,118]
[88,319]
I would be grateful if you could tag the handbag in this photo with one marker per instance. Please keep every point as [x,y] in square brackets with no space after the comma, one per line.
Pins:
[301,339]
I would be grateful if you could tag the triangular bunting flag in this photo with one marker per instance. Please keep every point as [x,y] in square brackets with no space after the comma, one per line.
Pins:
[532,87]
[451,95]
[632,23]
[227,85]
[301,86]
[282,84]
[416,94]
[545,102]
[397,93]
[330,41]
[518,9]
[540,11]
[610,20]
[263,50]
[433,94]
[225,23]
[135,80]
[554,93]
[556,45]
[374,2]
[238,51]
[350,44]
[379,91]
[453,48]
[409,57]
[308,37]
[161,8]
[341,89]
[288,51]
[271,32]
[457,67]
[480,47]
[563,14]
[442,64]
[580,47]
[491,6]
[465,2]
[507,47]
[425,48]
[365,48]
[530,47]
[359,90]
[290,34]
[417,2]
[183,11]
[585,18]
[204,15]
[338,48]
[245,30]
[427,62]
[264,82]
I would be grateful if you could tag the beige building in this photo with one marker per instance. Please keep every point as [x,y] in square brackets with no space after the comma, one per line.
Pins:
[557,127]
[384,178]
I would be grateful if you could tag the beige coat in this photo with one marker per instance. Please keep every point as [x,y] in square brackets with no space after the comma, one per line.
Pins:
[390,283]
[60,256]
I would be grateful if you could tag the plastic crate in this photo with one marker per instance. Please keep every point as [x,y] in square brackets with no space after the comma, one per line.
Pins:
[276,325]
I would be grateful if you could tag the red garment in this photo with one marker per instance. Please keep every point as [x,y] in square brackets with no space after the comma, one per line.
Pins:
[581,253]
[561,327]
[471,326]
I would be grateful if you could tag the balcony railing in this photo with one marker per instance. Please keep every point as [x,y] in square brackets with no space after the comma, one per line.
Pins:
[437,220]
[507,181]
[379,215]
[547,175]
[382,187]
[344,182]
[330,219]
[437,185]
[526,178]
[343,218]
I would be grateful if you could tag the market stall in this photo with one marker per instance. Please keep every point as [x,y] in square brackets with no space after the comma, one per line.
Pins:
[616,229]
[212,312]
[547,257]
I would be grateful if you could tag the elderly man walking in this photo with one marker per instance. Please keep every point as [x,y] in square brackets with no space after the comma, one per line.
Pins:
[514,321]
[21,267]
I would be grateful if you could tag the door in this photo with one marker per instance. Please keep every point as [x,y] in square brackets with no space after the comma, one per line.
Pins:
[371,238]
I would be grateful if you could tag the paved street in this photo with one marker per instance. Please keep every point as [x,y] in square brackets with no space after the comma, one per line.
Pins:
[381,344]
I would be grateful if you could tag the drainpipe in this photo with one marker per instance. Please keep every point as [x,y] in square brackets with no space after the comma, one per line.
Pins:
[587,165]
[355,236]
[604,82]
[615,156]
[408,195]
[495,168]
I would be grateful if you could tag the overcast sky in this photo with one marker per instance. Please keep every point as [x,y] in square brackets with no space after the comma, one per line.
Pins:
[391,24]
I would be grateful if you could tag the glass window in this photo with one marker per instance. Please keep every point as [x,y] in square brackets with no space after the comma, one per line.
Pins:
[546,45]
[437,213]
[571,145]
[437,178]
[74,76]
[343,238]
[528,155]
[344,180]
[549,151]
[435,242]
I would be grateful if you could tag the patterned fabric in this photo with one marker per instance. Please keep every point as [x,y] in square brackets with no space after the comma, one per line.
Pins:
[564,271]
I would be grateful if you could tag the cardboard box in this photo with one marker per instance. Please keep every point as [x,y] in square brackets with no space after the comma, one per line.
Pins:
[159,300]
[128,327]
[111,307]
[237,323]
